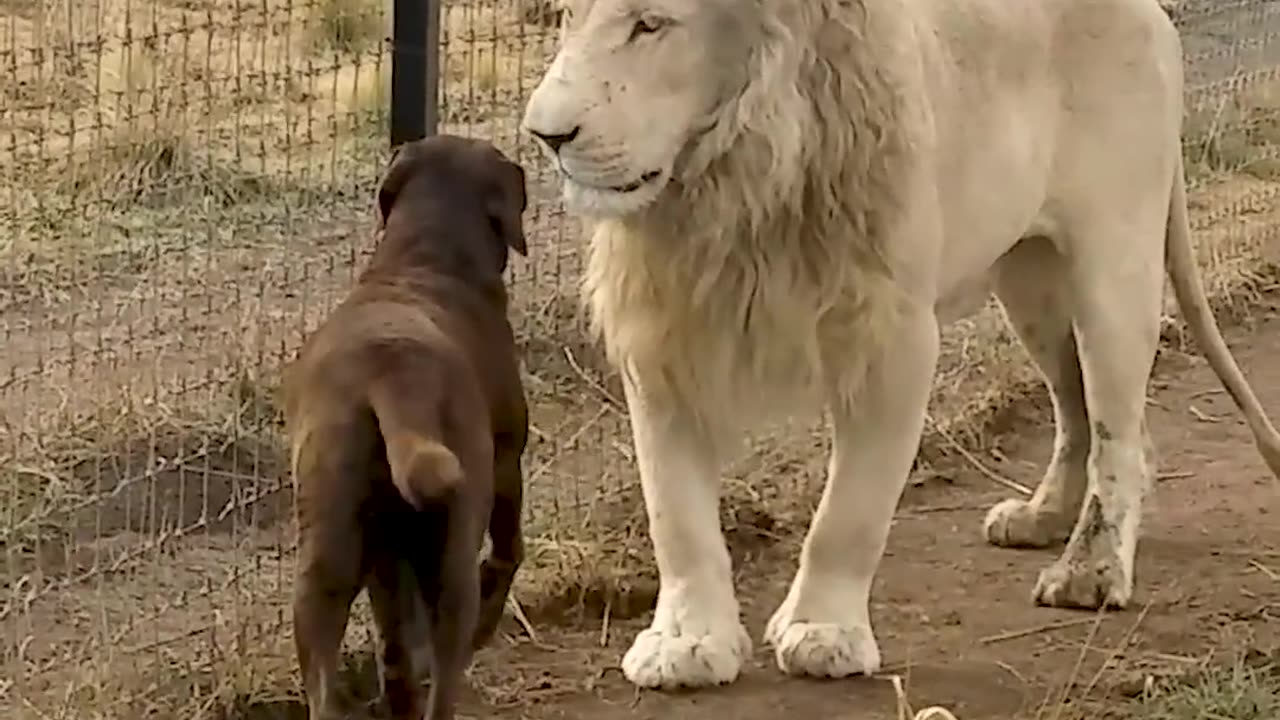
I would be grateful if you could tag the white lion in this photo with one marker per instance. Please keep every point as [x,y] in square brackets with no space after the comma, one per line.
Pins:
[787,197]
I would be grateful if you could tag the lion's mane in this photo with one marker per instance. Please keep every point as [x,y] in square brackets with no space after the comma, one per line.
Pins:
[758,283]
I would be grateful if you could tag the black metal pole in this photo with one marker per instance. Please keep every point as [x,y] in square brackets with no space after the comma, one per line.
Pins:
[415,66]
[432,63]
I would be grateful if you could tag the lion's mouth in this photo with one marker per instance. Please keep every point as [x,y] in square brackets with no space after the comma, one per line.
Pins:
[635,185]
[623,189]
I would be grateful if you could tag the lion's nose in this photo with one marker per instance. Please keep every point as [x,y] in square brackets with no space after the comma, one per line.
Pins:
[556,140]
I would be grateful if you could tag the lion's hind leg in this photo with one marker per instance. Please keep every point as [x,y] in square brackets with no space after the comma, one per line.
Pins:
[1116,284]
[1032,286]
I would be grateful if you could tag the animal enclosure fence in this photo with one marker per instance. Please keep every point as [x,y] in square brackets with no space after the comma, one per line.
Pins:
[187,189]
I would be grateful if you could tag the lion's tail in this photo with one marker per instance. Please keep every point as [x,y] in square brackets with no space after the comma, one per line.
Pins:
[423,470]
[1188,289]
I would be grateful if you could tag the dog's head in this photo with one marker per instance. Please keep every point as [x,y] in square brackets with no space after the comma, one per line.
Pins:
[464,168]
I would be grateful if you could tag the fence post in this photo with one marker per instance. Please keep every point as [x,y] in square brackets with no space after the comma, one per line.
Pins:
[415,69]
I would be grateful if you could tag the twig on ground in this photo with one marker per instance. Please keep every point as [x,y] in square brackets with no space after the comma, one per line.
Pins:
[560,447]
[933,712]
[1201,415]
[1120,646]
[573,439]
[1037,630]
[1012,671]
[1144,654]
[36,710]
[1175,475]
[595,384]
[977,464]
[923,510]
[180,637]
[1275,577]
[518,611]
[1230,552]
[1075,670]
[1173,658]
[540,315]
[604,624]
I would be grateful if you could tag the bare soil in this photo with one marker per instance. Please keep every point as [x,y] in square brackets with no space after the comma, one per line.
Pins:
[954,615]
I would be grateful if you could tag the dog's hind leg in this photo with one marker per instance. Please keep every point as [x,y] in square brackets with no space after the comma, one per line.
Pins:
[331,567]
[328,581]
[507,536]
[453,613]
[392,594]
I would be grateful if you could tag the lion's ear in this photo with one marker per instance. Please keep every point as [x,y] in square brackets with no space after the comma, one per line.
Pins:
[400,167]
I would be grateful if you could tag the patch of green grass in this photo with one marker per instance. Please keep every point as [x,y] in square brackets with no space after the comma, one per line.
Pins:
[1240,691]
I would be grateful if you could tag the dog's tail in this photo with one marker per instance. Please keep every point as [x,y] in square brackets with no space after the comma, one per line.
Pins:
[423,470]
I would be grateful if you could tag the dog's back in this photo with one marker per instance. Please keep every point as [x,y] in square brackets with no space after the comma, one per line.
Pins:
[381,383]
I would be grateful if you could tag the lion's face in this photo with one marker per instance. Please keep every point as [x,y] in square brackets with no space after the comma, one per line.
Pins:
[635,86]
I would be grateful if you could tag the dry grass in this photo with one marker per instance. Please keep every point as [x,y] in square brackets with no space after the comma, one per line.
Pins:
[349,25]
[1237,132]
[179,209]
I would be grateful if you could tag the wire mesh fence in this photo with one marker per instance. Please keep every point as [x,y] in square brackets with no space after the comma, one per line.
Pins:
[182,185]
[187,189]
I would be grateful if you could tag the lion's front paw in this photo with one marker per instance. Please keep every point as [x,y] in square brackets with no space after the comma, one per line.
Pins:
[823,650]
[1089,583]
[669,658]
[826,650]
[1015,523]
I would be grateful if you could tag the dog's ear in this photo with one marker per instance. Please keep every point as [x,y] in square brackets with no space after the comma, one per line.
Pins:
[399,168]
[506,205]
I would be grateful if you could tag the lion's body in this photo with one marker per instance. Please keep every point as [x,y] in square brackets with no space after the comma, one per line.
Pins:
[769,275]
[877,166]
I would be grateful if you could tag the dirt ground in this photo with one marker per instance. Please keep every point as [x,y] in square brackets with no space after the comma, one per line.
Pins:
[954,615]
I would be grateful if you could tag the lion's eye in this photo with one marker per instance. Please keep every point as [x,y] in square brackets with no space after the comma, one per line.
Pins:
[645,26]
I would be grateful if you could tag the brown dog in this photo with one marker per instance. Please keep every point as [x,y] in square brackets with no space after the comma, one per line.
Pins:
[407,421]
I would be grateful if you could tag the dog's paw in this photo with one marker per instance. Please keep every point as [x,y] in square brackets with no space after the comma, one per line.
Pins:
[496,577]
[669,658]
[416,636]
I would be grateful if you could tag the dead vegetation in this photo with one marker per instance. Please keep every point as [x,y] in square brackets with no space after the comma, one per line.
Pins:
[1236,132]
[186,188]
